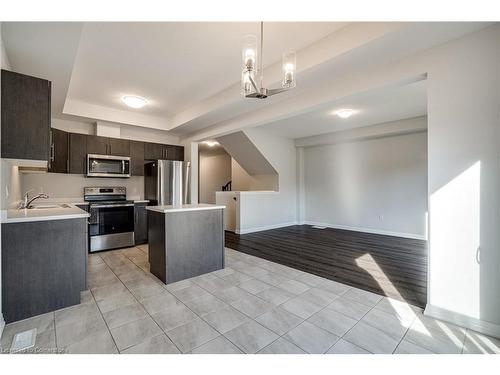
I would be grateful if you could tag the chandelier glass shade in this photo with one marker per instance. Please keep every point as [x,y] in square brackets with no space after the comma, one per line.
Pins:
[252,76]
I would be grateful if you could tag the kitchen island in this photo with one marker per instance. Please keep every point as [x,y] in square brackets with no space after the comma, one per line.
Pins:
[185,241]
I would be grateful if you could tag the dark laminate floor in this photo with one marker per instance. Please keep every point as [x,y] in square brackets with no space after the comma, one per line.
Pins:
[391,266]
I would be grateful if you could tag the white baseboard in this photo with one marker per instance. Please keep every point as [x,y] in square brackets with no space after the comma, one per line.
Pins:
[367,230]
[481,326]
[267,227]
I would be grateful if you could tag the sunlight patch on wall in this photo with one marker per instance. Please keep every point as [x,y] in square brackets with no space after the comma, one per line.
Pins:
[454,244]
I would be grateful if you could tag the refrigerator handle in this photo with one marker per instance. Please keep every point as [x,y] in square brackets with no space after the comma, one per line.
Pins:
[186,183]
[159,178]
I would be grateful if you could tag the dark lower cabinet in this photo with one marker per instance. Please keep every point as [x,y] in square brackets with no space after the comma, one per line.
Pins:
[25,116]
[137,158]
[40,271]
[185,244]
[140,223]
[59,147]
[77,153]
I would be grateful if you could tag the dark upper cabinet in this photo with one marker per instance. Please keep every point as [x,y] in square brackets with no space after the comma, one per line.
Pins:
[68,151]
[180,152]
[25,116]
[97,145]
[59,147]
[107,146]
[175,153]
[119,147]
[137,158]
[140,223]
[77,153]
[154,151]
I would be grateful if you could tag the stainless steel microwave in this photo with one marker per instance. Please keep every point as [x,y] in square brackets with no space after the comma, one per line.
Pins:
[108,166]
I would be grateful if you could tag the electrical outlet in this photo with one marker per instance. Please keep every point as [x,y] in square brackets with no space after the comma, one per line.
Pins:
[381,217]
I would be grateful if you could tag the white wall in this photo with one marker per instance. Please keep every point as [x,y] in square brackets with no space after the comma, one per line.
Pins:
[464,180]
[126,131]
[377,185]
[11,185]
[215,172]
[69,187]
[463,79]
[242,181]
[229,199]
[267,210]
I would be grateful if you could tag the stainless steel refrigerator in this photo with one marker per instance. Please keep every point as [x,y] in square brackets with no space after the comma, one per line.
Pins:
[166,182]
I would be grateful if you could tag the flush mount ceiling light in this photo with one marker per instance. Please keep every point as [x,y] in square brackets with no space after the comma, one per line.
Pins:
[345,112]
[211,143]
[134,101]
[249,88]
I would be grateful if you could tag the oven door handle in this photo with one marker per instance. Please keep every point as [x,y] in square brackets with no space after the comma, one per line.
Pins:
[113,205]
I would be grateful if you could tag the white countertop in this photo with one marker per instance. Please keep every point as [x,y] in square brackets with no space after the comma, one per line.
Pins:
[186,207]
[43,214]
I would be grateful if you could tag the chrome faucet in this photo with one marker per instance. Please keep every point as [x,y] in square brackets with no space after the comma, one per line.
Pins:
[26,203]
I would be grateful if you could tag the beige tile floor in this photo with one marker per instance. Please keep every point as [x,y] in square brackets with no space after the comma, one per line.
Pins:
[251,306]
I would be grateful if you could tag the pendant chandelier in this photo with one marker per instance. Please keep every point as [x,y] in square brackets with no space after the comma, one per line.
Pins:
[251,75]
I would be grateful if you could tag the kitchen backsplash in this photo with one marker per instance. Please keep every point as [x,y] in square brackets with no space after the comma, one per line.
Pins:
[58,185]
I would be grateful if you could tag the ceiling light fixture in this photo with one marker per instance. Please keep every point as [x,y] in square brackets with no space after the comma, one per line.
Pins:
[345,112]
[134,101]
[211,143]
[249,88]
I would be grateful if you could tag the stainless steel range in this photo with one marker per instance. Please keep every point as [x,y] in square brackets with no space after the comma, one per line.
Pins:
[111,223]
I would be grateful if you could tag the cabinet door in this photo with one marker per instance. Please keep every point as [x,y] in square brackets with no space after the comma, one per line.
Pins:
[58,160]
[118,147]
[154,151]
[175,152]
[140,223]
[137,158]
[43,266]
[180,152]
[77,153]
[97,145]
[25,116]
